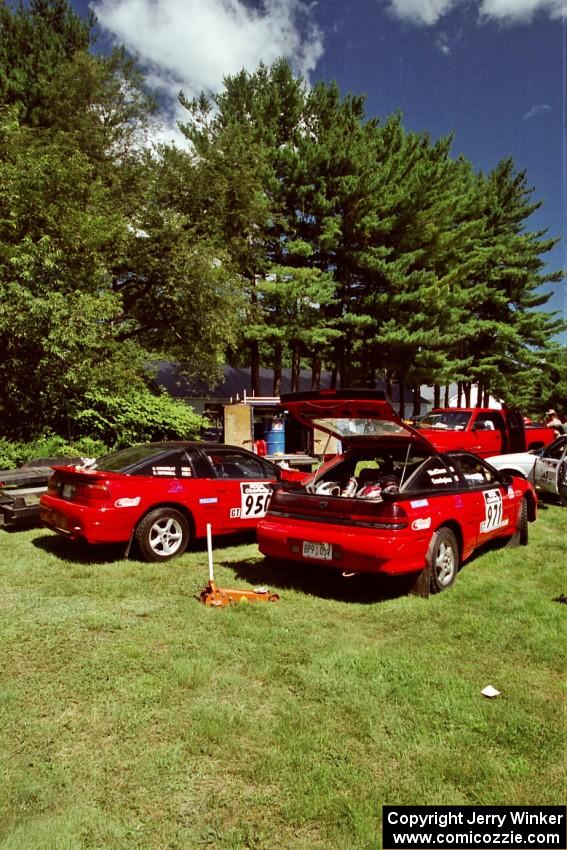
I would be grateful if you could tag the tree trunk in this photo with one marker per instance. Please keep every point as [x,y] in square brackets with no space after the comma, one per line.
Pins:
[316,371]
[254,367]
[436,395]
[277,386]
[459,394]
[467,389]
[416,402]
[402,392]
[479,395]
[446,396]
[295,366]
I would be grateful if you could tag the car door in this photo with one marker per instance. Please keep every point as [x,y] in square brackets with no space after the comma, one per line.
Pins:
[492,506]
[549,468]
[243,487]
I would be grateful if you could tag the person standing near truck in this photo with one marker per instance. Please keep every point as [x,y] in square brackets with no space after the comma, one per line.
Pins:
[552,420]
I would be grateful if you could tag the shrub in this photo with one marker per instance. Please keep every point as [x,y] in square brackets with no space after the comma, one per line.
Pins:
[48,444]
[137,418]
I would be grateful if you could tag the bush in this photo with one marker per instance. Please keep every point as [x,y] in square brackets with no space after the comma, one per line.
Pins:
[14,454]
[139,417]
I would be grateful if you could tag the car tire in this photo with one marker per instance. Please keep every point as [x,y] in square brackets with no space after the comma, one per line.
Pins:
[523,525]
[443,560]
[162,534]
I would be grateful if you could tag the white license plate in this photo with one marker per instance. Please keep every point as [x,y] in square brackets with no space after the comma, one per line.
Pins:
[322,551]
[68,491]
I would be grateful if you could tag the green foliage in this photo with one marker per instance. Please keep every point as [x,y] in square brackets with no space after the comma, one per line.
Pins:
[135,417]
[48,444]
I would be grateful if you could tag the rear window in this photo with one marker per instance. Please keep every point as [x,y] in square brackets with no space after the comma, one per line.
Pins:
[126,458]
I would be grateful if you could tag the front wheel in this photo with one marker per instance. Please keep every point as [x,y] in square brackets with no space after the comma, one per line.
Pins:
[443,560]
[162,534]
[523,528]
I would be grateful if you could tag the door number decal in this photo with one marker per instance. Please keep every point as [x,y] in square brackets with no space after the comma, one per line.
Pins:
[254,498]
[493,511]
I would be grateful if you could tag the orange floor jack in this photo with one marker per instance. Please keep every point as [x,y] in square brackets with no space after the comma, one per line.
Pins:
[216,597]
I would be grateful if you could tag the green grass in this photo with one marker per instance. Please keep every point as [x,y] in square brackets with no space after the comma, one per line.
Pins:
[134,718]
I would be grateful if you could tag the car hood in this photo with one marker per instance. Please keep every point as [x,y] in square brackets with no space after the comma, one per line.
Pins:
[355,417]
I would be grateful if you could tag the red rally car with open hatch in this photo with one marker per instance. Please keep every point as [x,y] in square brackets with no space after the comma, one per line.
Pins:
[389,502]
[160,496]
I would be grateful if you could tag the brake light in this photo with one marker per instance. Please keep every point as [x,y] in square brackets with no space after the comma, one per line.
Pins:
[92,492]
[390,515]
[52,486]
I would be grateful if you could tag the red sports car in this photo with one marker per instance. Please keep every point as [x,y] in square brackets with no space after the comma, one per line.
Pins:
[160,496]
[390,503]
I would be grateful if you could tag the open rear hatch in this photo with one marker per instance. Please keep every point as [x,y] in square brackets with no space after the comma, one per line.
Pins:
[355,417]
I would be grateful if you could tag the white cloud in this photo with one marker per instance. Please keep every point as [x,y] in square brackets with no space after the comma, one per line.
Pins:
[429,12]
[193,44]
[421,11]
[537,110]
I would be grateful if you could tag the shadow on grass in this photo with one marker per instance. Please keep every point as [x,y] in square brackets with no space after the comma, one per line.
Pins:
[321,582]
[80,552]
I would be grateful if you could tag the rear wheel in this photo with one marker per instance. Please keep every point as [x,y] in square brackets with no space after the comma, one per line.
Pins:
[162,534]
[443,559]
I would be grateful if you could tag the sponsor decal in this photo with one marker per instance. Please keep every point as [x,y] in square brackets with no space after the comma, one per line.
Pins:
[459,502]
[211,501]
[186,472]
[128,503]
[420,503]
[511,493]
[433,472]
[493,512]
[441,480]
[421,523]
[163,470]
[234,513]
[254,498]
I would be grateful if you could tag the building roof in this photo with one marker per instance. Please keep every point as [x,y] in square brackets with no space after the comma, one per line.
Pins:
[236,384]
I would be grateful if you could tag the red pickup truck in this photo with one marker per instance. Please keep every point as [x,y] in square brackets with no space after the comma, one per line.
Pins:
[483,431]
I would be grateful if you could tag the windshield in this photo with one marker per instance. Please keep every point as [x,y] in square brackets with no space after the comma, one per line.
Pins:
[448,420]
[363,427]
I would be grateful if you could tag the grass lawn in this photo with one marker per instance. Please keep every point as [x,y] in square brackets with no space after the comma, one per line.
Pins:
[131,716]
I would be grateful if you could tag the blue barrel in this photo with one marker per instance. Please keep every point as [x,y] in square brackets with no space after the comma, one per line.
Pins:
[275,437]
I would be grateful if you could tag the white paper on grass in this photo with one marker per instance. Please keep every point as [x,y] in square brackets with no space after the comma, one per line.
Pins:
[490,692]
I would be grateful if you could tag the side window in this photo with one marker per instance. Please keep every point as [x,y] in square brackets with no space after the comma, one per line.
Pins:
[232,464]
[433,474]
[555,450]
[173,465]
[475,472]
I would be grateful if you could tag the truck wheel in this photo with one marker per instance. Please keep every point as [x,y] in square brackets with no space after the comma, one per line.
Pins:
[443,559]
[162,534]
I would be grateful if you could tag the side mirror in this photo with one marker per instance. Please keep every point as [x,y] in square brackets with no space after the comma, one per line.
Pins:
[506,479]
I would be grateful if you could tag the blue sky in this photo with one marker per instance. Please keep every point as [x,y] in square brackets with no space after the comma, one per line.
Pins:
[491,72]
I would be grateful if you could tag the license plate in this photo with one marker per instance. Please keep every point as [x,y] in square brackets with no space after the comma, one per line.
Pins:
[68,491]
[322,551]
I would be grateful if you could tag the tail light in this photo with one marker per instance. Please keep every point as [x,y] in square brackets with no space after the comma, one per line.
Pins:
[52,486]
[91,492]
[390,515]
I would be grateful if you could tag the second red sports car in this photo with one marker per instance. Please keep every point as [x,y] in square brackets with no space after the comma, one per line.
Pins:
[390,503]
